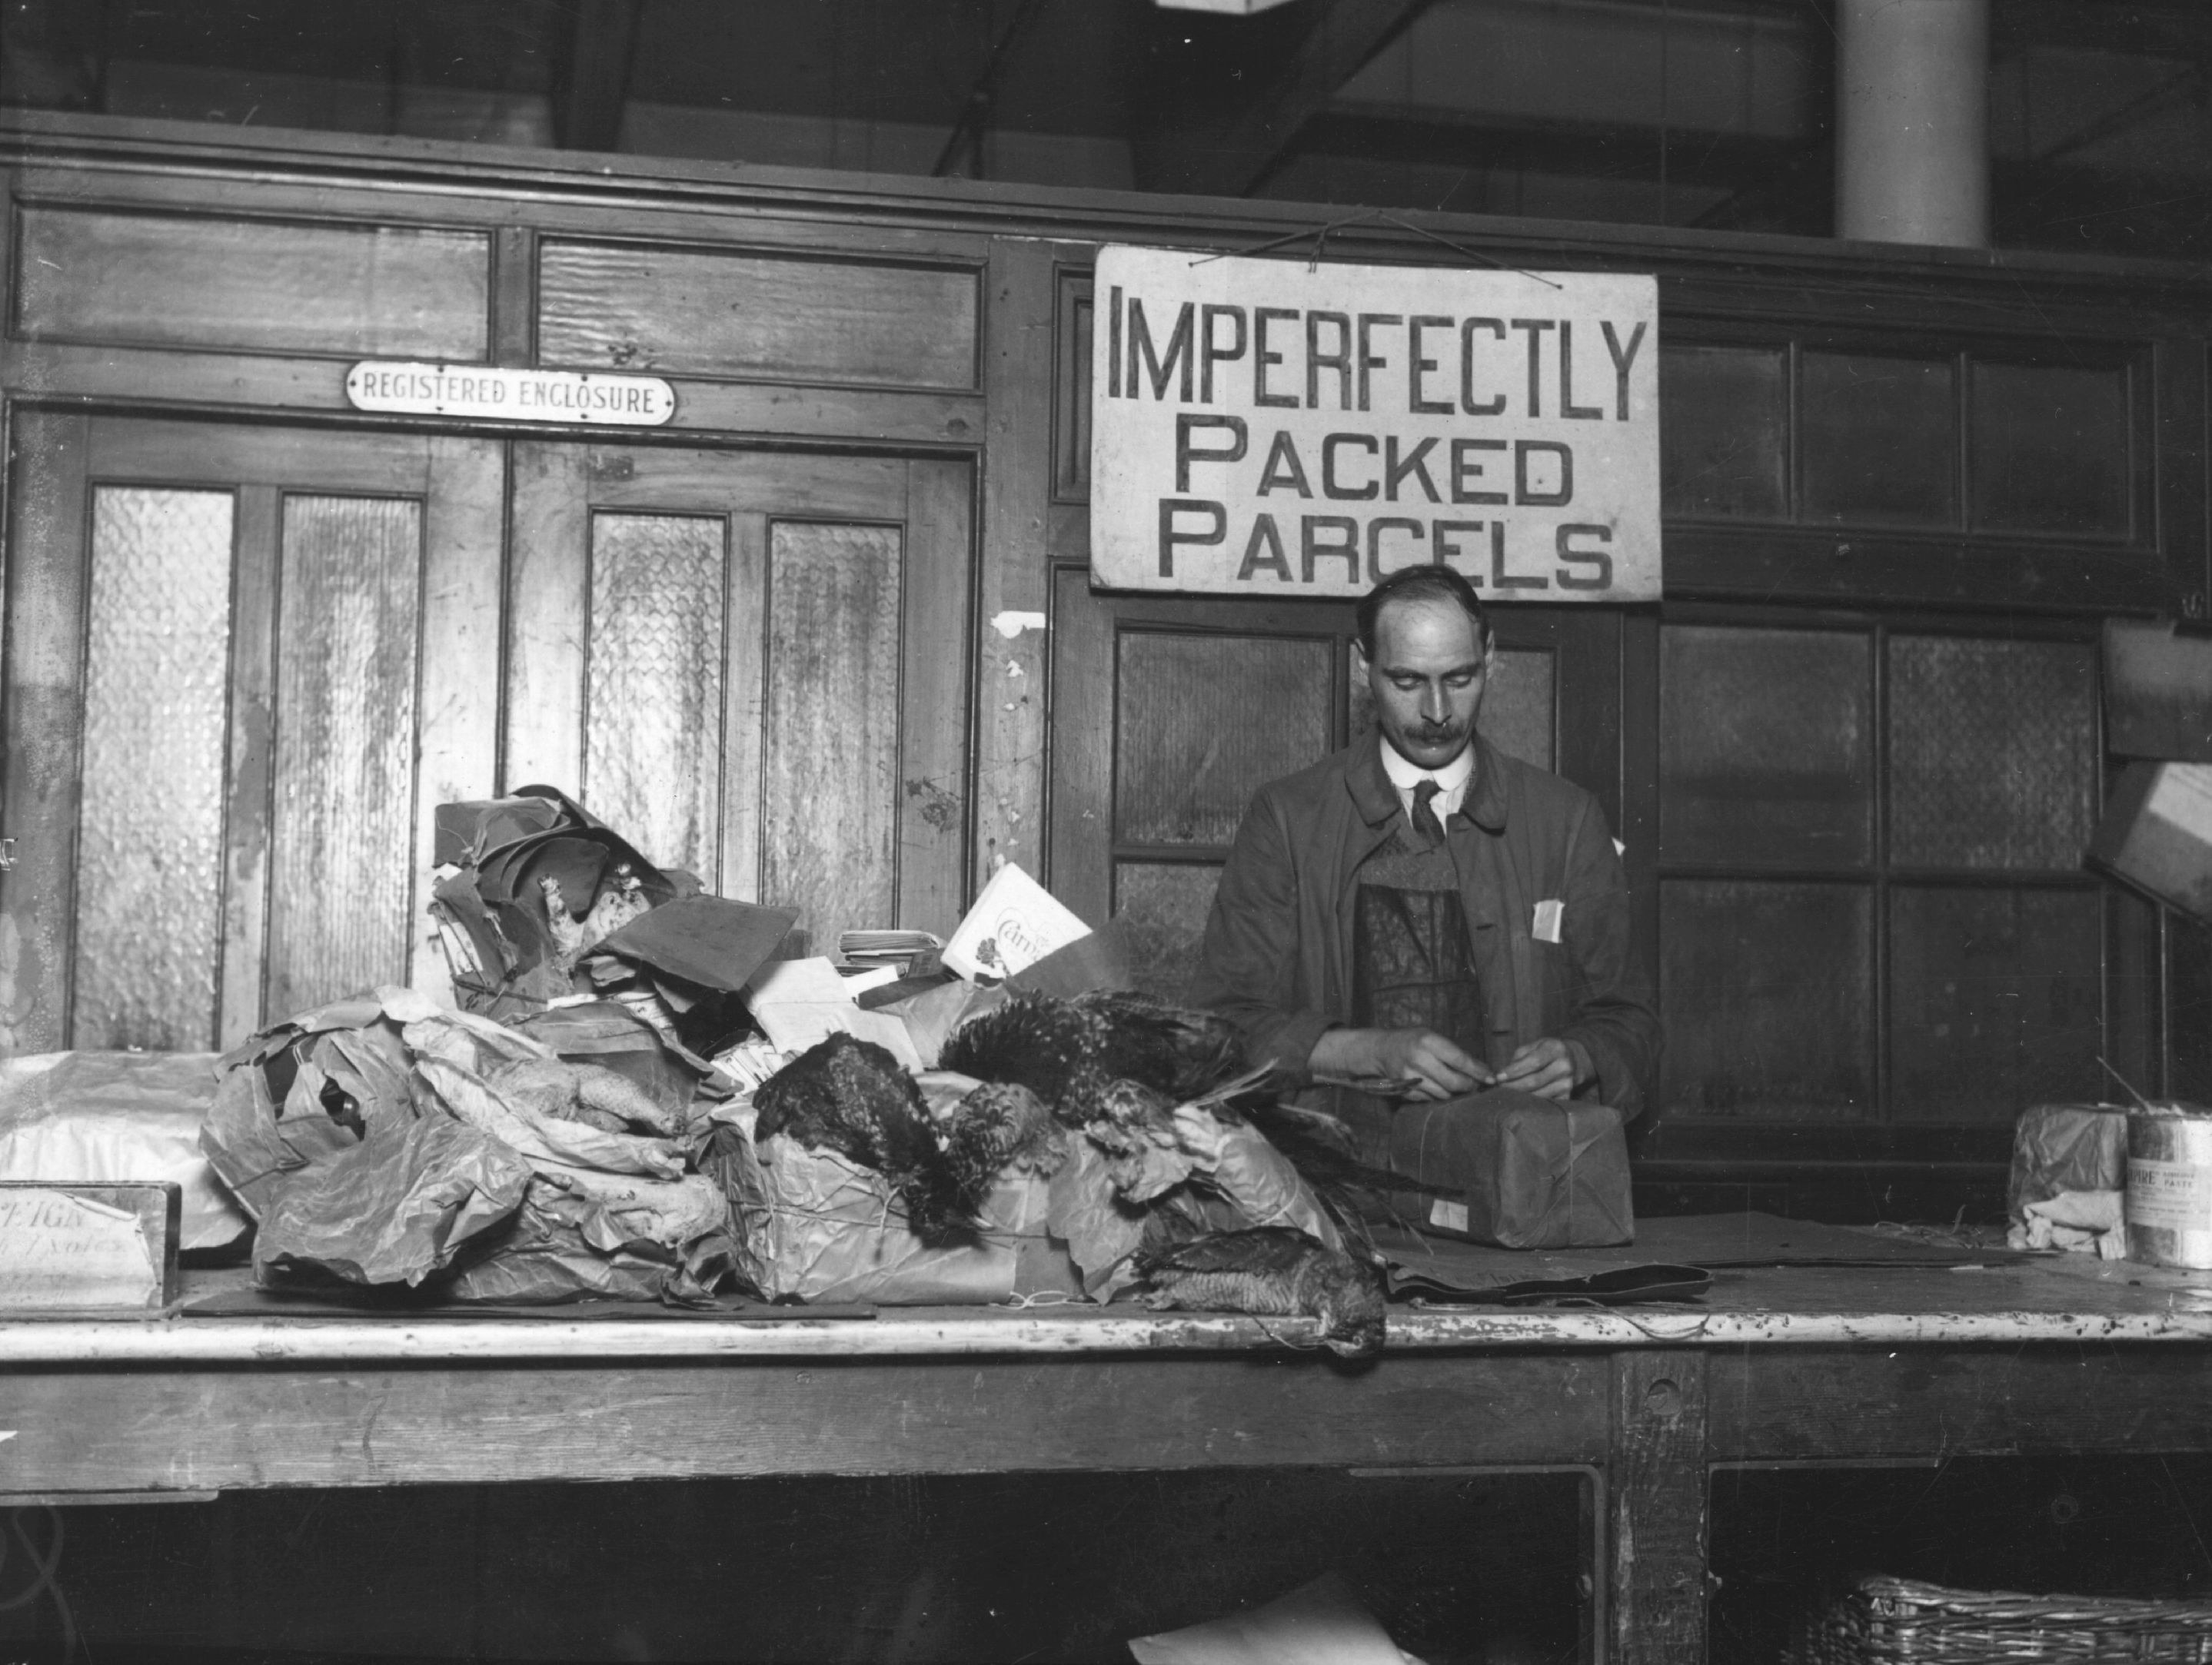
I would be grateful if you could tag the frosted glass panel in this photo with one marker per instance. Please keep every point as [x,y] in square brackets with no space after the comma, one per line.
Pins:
[1162,909]
[2051,449]
[653,713]
[1724,450]
[1993,752]
[149,858]
[830,754]
[1995,1000]
[1765,746]
[1766,993]
[1879,439]
[342,835]
[1207,721]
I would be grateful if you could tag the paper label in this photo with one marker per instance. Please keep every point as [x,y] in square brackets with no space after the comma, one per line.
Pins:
[2171,1196]
[1448,1215]
[60,1250]
[1548,915]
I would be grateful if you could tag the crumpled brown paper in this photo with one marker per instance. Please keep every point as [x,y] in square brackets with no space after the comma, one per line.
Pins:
[814,1226]
[396,1157]
[581,1236]
[1226,1176]
[255,1144]
[1102,1231]
[396,1208]
[343,1071]
[543,1138]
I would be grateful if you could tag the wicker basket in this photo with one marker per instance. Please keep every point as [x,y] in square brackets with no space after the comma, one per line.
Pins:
[1897,1620]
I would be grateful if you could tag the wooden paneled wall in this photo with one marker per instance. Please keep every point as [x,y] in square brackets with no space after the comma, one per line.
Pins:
[828,566]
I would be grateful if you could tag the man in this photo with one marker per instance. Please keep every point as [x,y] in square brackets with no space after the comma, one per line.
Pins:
[1419,908]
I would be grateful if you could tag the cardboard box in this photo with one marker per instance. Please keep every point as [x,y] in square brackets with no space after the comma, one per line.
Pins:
[2157,833]
[71,1246]
[1517,1171]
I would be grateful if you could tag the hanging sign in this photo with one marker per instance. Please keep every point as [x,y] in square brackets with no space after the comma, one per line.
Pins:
[482,390]
[1265,427]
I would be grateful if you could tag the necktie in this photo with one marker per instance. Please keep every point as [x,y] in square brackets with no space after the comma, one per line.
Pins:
[1428,831]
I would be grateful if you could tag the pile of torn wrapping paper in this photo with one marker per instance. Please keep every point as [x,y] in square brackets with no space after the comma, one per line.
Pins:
[384,1141]
[636,1101]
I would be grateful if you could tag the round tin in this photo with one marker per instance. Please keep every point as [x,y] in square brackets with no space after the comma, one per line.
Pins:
[2168,1209]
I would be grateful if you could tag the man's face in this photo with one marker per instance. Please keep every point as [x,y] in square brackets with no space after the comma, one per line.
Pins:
[1427,675]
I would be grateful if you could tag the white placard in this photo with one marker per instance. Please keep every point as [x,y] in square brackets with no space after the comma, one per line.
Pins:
[482,390]
[1270,428]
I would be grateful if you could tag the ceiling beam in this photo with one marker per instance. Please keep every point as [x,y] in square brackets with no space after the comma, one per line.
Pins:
[1230,94]
[591,72]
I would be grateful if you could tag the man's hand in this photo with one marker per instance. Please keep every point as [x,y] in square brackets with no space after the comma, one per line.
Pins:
[1549,1068]
[1434,1066]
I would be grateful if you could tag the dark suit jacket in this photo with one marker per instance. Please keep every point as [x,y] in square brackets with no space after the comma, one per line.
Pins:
[1277,957]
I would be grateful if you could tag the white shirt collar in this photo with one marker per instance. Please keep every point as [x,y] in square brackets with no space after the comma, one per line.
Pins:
[1452,780]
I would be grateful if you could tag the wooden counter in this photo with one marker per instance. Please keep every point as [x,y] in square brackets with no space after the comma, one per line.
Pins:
[1796,1368]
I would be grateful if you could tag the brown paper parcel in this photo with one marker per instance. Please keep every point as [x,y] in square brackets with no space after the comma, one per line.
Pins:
[1508,1169]
[814,1226]
[2065,1148]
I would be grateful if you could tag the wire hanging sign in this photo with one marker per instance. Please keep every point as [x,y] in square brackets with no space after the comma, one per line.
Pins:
[1271,428]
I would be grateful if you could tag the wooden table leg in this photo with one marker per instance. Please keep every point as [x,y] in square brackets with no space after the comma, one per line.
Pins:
[1656,1494]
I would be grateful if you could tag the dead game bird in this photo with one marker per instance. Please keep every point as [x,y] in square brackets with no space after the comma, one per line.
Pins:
[1029,1041]
[1171,1050]
[1134,1126]
[851,1097]
[1067,1052]
[997,1125]
[1271,1271]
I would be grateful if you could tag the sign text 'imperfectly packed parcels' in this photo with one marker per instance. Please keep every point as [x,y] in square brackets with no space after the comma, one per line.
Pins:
[1269,428]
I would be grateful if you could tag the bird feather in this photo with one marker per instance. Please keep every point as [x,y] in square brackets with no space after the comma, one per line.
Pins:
[852,1096]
